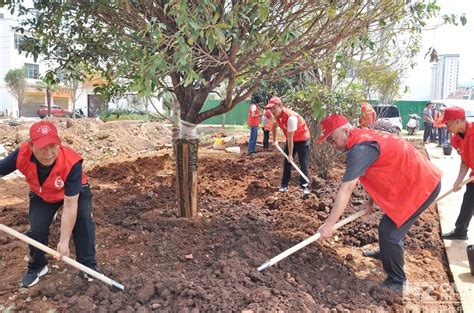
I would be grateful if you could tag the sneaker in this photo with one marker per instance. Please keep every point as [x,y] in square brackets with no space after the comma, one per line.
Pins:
[306,191]
[454,235]
[86,276]
[283,189]
[33,276]
[392,285]
[374,254]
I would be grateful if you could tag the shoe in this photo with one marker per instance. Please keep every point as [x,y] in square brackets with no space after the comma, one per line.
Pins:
[33,276]
[86,276]
[374,254]
[283,189]
[306,191]
[392,285]
[453,235]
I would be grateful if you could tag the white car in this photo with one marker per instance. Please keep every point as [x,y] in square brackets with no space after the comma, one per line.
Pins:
[389,115]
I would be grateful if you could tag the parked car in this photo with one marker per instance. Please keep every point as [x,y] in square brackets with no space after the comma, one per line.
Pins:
[56,110]
[388,118]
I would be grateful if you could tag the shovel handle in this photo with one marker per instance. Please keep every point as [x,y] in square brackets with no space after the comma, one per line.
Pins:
[66,259]
[291,162]
[308,240]
[470,179]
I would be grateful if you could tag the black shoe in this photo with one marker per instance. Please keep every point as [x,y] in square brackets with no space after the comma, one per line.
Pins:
[454,235]
[392,285]
[33,276]
[86,276]
[374,254]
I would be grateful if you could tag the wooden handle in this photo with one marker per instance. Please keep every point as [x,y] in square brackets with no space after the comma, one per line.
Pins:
[66,259]
[292,163]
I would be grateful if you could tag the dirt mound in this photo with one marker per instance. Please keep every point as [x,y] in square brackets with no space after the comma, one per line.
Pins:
[169,264]
[96,141]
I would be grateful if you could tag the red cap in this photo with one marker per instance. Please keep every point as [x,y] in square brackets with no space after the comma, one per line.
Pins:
[44,133]
[272,102]
[330,123]
[453,113]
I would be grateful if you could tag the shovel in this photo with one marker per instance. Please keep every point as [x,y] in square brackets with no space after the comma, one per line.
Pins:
[66,259]
[292,163]
[339,224]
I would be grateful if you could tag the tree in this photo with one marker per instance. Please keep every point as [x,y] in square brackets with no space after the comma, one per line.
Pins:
[17,85]
[191,47]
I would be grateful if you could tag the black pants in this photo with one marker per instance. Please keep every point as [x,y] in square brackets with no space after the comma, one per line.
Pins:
[427,132]
[41,215]
[266,138]
[302,149]
[467,209]
[391,241]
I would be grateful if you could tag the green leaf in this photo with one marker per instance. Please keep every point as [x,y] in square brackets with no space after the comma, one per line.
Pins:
[219,36]
[224,26]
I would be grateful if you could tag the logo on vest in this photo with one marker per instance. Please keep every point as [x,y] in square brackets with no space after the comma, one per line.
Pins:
[59,183]
[44,130]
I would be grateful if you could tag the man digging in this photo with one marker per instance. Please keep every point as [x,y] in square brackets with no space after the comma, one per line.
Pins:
[297,141]
[55,177]
[399,179]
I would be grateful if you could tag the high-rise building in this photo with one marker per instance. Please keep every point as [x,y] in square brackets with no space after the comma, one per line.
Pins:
[444,76]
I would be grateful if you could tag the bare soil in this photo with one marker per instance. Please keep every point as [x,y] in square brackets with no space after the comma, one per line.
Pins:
[170,264]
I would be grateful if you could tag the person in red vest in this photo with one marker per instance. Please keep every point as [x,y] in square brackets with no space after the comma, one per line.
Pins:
[55,177]
[297,141]
[267,121]
[440,126]
[463,142]
[253,121]
[398,178]
[367,116]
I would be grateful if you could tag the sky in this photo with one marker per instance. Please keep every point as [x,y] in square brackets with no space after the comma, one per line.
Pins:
[446,39]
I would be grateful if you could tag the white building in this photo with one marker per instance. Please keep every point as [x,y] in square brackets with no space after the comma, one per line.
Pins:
[10,58]
[444,76]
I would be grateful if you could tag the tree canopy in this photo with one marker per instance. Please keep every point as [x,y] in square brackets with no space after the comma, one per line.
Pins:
[192,47]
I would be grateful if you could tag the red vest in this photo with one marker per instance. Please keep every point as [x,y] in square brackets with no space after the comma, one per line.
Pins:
[253,121]
[465,147]
[401,179]
[302,131]
[268,125]
[52,189]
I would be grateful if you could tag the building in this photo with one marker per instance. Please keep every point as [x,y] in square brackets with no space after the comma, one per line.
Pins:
[444,76]
[81,96]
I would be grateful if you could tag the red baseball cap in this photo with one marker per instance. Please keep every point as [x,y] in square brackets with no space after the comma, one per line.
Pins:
[44,133]
[453,113]
[330,123]
[272,102]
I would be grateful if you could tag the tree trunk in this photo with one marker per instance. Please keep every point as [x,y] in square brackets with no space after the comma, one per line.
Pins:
[186,176]
[48,99]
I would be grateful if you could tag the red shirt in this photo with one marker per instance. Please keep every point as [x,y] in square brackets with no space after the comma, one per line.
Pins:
[52,189]
[253,121]
[465,146]
[401,179]
[302,131]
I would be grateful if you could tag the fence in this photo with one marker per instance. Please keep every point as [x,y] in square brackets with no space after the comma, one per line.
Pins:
[238,115]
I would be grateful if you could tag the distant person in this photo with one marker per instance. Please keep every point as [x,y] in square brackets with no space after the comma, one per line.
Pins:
[297,141]
[267,121]
[368,115]
[55,177]
[463,142]
[427,122]
[440,126]
[253,122]
[399,179]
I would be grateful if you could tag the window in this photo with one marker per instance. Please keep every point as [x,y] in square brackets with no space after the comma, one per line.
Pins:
[18,40]
[32,71]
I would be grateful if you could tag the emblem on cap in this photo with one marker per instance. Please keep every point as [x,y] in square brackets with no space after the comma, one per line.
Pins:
[44,129]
